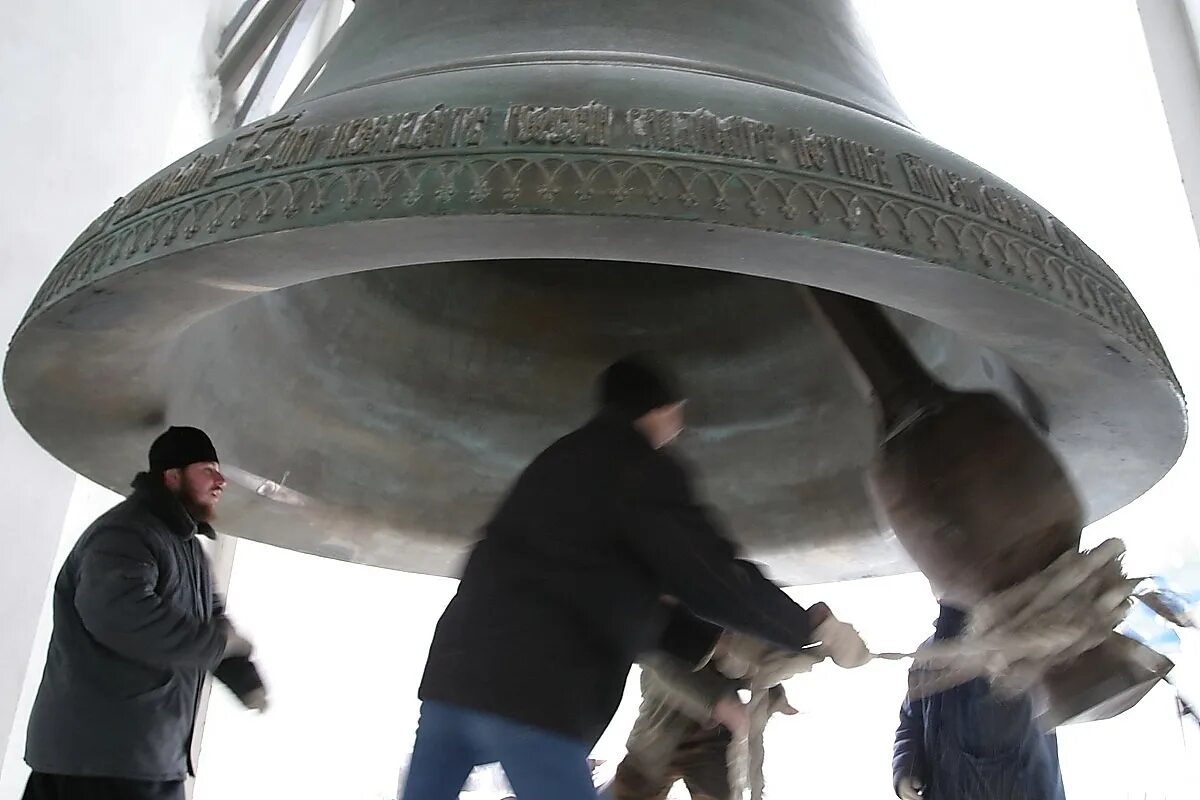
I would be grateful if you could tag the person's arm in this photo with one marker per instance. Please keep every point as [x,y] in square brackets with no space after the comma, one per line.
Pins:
[908,751]
[694,693]
[688,638]
[119,605]
[241,676]
[677,538]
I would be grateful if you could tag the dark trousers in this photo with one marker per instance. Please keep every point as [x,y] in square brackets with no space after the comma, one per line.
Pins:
[72,787]
[700,762]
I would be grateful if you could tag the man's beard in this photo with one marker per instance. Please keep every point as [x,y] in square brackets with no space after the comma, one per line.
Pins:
[199,505]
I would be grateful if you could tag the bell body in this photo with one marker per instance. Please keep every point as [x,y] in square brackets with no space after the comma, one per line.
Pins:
[976,497]
[385,299]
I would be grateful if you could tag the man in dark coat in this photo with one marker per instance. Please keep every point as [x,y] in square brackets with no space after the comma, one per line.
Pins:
[530,659]
[137,625]
[967,743]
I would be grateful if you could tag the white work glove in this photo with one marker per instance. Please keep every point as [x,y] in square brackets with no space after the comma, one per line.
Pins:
[910,788]
[235,643]
[737,655]
[778,666]
[842,643]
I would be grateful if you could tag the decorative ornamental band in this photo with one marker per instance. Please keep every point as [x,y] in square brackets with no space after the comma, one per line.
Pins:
[721,170]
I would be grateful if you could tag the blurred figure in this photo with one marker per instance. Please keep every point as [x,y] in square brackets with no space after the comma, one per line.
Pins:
[968,743]
[529,660]
[683,731]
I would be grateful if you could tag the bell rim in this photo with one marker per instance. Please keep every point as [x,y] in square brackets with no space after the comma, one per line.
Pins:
[841,267]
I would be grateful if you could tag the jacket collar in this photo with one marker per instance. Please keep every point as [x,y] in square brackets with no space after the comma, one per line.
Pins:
[950,622]
[620,425]
[154,496]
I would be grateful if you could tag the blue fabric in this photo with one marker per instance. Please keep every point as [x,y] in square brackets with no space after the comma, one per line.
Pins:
[969,744]
[451,741]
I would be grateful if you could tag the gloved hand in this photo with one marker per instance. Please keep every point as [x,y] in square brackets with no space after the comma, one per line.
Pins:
[777,666]
[737,655]
[910,788]
[243,679]
[842,643]
[256,700]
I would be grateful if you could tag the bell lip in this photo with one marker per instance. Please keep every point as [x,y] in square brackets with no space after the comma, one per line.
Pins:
[73,370]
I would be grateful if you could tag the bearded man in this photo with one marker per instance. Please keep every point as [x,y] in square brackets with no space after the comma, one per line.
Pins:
[137,624]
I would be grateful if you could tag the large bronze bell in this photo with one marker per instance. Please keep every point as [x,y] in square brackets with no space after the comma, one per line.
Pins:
[387,297]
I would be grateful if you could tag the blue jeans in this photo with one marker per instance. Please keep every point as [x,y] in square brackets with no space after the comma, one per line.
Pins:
[451,741]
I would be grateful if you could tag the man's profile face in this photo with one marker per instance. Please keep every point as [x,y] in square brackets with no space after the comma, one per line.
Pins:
[198,487]
[665,424]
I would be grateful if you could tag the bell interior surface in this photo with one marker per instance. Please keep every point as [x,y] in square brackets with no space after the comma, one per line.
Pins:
[384,299]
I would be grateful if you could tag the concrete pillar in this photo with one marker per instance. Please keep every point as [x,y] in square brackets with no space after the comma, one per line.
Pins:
[96,96]
[1172,29]
[221,553]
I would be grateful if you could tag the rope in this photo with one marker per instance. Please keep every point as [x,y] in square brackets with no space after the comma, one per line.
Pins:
[747,754]
[1012,638]
[1055,616]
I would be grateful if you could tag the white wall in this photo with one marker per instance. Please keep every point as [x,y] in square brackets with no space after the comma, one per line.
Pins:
[87,502]
[96,96]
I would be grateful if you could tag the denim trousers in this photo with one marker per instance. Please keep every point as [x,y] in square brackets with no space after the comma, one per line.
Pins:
[451,741]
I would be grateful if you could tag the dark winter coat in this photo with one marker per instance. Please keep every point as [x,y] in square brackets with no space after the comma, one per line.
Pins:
[562,593]
[969,744]
[136,626]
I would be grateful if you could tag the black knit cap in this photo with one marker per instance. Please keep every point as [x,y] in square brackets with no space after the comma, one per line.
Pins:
[635,385]
[180,446]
